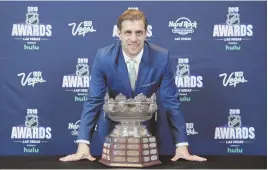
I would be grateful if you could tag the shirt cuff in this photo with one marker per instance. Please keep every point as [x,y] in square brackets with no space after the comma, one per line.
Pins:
[182,144]
[82,141]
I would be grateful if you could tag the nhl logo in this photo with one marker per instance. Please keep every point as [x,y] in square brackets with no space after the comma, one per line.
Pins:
[183,70]
[233,19]
[82,70]
[32,18]
[234,121]
[31,121]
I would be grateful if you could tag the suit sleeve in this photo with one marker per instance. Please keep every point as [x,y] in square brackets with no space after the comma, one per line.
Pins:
[95,99]
[170,98]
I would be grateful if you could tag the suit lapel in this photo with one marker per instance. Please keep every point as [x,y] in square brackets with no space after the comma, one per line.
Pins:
[122,71]
[144,69]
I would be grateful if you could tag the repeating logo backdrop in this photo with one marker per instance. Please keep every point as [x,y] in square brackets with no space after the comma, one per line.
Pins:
[218,52]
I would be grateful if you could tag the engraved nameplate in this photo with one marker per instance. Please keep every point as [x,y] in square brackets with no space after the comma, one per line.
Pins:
[153,151]
[146,159]
[154,157]
[133,146]
[145,146]
[152,145]
[119,159]
[132,153]
[145,152]
[133,159]
[144,140]
[152,139]
[119,146]
[119,153]
[119,140]
[133,140]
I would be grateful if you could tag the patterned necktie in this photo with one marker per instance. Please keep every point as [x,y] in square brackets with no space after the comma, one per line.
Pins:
[132,74]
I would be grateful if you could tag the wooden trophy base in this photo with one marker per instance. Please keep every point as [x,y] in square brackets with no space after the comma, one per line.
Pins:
[130,152]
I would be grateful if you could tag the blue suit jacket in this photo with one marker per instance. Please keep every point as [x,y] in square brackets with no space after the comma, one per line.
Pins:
[109,74]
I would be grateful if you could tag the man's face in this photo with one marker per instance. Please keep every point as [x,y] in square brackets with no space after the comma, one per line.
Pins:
[132,36]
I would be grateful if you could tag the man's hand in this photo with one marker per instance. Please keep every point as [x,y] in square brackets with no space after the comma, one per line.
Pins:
[83,152]
[182,152]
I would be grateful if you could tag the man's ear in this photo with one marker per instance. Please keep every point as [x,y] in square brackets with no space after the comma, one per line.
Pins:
[118,31]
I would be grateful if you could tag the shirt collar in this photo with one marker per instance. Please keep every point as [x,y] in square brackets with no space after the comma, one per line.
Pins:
[137,58]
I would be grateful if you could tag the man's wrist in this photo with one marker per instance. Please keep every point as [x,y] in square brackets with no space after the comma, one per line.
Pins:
[182,144]
[83,141]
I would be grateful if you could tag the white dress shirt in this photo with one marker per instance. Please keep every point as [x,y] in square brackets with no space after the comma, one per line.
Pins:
[136,66]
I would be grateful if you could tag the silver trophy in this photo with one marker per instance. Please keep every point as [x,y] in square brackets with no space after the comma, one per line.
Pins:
[130,144]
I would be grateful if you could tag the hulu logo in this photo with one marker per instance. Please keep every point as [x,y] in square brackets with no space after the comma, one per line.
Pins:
[234,150]
[31,47]
[30,150]
[185,99]
[80,99]
[232,48]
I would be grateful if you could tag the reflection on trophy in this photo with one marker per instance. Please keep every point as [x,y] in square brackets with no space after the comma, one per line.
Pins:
[130,144]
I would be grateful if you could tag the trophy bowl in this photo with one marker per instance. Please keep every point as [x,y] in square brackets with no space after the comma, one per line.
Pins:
[130,144]
[122,109]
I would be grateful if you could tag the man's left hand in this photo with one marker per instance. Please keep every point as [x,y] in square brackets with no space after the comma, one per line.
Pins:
[182,153]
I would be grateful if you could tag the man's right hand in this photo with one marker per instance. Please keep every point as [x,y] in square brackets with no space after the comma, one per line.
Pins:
[83,152]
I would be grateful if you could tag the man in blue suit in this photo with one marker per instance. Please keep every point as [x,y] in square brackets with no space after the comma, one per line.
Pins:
[130,67]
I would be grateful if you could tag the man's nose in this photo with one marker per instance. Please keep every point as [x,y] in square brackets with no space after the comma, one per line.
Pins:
[133,37]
